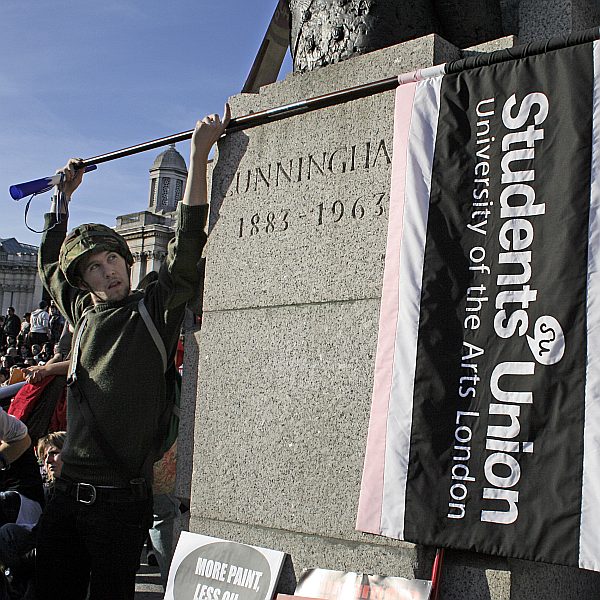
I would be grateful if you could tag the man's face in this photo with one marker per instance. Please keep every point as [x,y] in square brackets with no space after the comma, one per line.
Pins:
[10,312]
[105,274]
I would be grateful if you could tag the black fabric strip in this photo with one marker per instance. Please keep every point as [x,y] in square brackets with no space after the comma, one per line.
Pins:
[531,49]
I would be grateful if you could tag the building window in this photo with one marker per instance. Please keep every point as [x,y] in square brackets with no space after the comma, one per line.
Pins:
[165,191]
[178,189]
[153,192]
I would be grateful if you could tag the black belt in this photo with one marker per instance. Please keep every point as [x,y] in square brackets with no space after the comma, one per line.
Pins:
[86,493]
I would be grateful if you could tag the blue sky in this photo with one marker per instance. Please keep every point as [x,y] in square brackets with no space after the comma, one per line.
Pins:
[81,78]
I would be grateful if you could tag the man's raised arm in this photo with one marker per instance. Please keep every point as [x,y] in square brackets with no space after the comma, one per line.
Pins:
[55,229]
[207,132]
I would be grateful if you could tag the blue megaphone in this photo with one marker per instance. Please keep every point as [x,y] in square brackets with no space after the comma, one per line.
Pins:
[38,186]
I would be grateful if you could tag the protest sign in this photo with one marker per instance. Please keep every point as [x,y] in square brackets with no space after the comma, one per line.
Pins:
[207,568]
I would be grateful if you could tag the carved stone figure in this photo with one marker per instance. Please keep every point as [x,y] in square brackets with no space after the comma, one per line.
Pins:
[328,31]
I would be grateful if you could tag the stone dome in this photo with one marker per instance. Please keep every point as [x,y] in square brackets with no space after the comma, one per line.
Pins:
[169,159]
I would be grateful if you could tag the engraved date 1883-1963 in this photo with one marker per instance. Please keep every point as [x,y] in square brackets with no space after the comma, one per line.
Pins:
[321,214]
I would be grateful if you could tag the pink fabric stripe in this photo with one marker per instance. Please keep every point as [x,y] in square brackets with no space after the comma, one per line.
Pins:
[371,492]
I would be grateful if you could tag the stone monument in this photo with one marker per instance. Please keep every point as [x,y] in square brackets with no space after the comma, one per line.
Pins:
[324,32]
[277,384]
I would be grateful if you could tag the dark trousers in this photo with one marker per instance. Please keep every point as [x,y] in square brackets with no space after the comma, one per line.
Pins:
[37,338]
[97,545]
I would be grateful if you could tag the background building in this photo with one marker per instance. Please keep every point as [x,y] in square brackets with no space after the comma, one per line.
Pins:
[20,285]
[148,232]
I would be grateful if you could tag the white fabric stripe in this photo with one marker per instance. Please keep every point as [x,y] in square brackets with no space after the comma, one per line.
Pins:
[589,531]
[418,184]
[371,489]
[421,74]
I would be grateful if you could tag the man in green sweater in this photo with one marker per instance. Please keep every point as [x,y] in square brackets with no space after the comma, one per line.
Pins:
[92,531]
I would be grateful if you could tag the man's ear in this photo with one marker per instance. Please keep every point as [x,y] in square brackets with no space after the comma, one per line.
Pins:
[81,284]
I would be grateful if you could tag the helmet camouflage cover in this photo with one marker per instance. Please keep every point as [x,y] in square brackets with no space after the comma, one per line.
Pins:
[89,239]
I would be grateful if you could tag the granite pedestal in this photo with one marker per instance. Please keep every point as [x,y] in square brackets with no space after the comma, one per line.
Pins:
[285,355]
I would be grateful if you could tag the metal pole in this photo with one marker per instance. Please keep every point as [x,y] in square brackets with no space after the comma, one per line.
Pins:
[21,190]
[259,118]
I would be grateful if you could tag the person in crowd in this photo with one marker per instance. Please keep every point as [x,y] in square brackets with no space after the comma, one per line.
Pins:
[25,352]
[48,451]
[12,323]
[6,362]
[57,322]
[10,359]
[57,364]
[166,510]
[92,532]
[23,335]
[21,491]
[41,405]
[2,332]
[39,331]
[48,350]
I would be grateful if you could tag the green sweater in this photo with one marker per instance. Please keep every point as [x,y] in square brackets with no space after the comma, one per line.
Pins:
[120,369]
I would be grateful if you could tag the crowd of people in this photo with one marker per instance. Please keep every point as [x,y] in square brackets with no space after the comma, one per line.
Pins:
[104,447]
[32,363]
[28,340]
[34,412]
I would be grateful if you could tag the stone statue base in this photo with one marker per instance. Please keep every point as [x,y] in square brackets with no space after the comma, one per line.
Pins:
[285,357]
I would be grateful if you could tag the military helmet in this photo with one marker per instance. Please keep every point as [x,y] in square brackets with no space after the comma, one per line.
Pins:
[88,239]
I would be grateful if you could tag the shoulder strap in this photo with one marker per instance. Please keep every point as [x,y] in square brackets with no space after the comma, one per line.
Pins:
[72,374]
[153,332]
[163,354]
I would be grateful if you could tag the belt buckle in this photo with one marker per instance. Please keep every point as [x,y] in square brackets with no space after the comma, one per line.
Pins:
[88,488]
